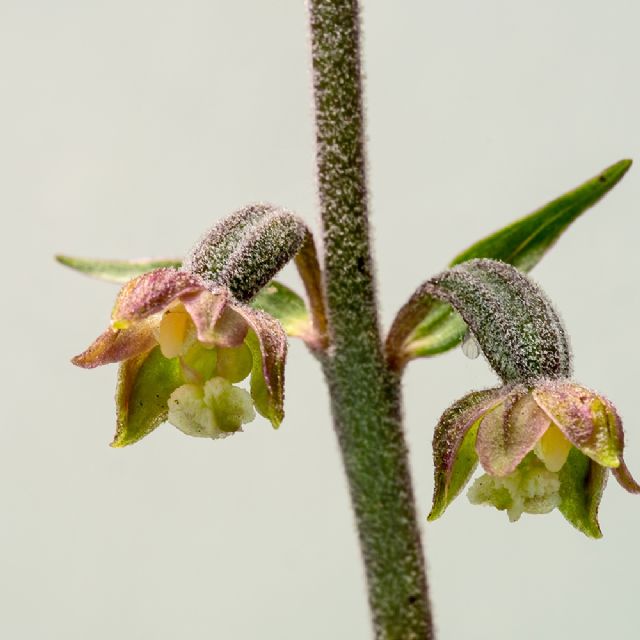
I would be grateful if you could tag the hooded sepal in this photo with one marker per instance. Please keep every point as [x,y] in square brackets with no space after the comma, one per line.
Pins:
[245,250]
[454,441]
[145,384]
[582,482]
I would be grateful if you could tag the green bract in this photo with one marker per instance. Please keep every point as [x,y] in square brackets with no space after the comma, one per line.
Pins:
[522,244]
[119,271]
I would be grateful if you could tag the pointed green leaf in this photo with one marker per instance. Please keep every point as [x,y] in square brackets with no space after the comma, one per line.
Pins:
[144,386]
[522,244]
[116,270]
[285,305]
[582,482]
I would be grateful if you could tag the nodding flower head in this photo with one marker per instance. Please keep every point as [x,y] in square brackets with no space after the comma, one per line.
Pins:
[546,446]
[543,441]
[184,344]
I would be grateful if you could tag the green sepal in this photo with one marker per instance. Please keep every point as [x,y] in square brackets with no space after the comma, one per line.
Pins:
[145,383]
[454,440]
[286,306]
[118,271]
[522,244]
[582,482]
[448,486]
[266,403]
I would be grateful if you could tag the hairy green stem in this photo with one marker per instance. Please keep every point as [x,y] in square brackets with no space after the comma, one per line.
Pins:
[365,395]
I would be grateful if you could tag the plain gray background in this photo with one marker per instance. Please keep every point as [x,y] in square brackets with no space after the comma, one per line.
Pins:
[127,128]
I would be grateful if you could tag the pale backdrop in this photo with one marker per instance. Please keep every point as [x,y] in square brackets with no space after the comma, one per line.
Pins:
[128,127]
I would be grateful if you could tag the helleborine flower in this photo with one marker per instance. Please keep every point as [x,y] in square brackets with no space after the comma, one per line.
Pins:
[543,441]
[183,344]
[546,446]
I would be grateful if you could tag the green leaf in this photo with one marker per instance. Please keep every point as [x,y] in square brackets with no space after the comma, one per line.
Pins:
[582,482]
[285,305]
[522,244]
[144,386]
[116,270]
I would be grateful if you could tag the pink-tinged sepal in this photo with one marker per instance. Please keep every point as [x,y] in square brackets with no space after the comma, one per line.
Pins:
[625,479]
[268,344]
[509,432]
[588,420]
[152,293]
[215,321]
[115,345]
[454,440]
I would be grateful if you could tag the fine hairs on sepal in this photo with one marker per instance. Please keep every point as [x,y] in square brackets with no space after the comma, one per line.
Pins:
[513,322]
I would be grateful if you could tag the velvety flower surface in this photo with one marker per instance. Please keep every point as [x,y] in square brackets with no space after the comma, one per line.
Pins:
[183,345]
[542,446]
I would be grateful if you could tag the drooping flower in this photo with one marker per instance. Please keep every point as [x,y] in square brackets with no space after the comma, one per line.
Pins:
[544,446]
[543,441]
[183,344]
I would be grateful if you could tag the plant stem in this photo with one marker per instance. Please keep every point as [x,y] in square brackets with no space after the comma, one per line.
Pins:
[365,395]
